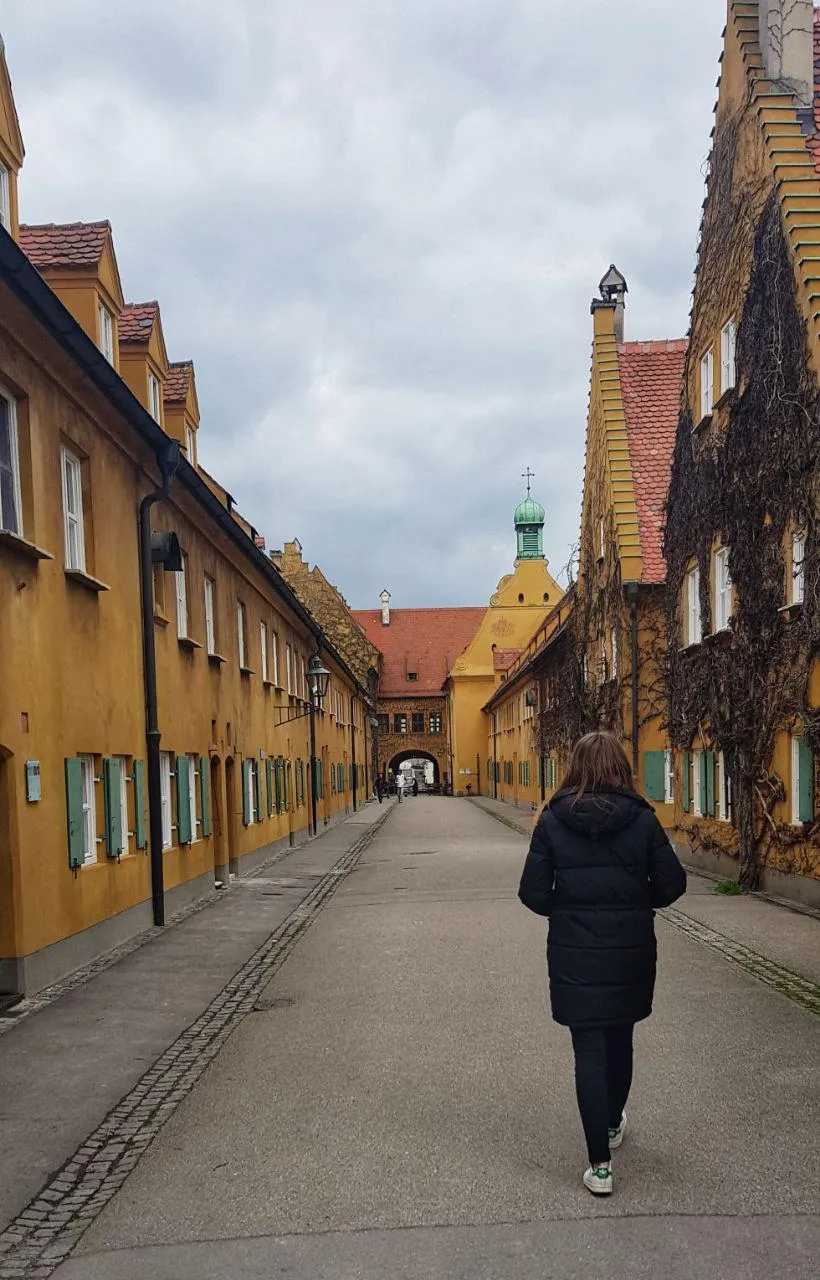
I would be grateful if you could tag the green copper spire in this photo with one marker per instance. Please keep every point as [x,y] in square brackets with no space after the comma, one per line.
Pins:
[529,525]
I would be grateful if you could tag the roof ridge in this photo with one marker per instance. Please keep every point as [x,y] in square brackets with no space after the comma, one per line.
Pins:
[64,226]
[655,345]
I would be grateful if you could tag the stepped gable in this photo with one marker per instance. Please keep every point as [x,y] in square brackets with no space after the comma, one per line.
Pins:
[651,375]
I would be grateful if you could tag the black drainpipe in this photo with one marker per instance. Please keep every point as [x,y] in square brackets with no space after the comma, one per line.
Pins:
[168,462]
[631,591]
[495,756]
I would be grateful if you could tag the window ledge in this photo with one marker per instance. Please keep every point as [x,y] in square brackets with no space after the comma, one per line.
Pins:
[216,659]
[86,580]
[718,637]
[724,397]
[187,642]
[22,546]
[246,671]
[791,611]
[268,684]
[703,425]
[691,648]
[160,619]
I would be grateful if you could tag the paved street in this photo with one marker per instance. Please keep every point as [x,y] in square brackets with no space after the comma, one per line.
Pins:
[395,1101]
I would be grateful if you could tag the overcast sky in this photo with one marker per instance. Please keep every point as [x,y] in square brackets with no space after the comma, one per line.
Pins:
[376,226]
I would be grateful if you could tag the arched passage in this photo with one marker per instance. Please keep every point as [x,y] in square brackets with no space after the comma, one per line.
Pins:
[411,754]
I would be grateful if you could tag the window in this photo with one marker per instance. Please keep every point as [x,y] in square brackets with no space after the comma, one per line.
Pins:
[613,644]
[400,724]
[797,567]
[165,796]
[251,782]
[5,198]
[728,375]
[697,782]
[305,691]
[182,600]
[124,804]
[275,654]
[412,675]
[263,638]
[73,511]
[89,810]
[384,724]
[210,617]
[802,789]
[418,722]
[601,539]
[10,504]
[694,630]
[154,407]
[240,633]
[189,443]
[668,777]
[602,661]
[105,332]
[723,786]
[707,383]
[723,590]
[289,667]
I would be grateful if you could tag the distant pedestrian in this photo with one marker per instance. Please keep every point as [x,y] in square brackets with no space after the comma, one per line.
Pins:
[400,786]
[599,863]
[379,788]
[415,786]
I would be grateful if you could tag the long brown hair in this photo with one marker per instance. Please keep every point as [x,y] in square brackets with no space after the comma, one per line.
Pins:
[598,761]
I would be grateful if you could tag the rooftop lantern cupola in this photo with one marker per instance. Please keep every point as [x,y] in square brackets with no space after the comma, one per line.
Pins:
[529,525]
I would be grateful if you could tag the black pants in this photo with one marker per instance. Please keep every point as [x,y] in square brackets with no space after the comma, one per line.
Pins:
[603,1075]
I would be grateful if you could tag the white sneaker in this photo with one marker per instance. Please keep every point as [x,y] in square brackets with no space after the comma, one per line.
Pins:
[616,1136]
[598,1180]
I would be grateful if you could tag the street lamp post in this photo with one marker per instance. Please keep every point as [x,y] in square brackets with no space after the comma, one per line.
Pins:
[318,681]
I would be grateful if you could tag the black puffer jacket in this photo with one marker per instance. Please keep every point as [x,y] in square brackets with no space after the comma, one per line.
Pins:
[597,866]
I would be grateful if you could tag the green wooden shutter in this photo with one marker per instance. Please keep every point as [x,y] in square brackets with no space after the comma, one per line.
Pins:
[269,782]
[686,767]
[246,793]
[709,769]
[112,795]
[205,795]
[74,811]
[701,783]
[277,782]
[184,815]
[140,825]
[805,793]
[653,776]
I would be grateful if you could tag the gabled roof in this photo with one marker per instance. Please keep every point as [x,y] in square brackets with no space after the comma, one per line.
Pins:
[72,244]
[504,658]
[178,382]
[651,376]
[137,320]
[424,641]
[11,132]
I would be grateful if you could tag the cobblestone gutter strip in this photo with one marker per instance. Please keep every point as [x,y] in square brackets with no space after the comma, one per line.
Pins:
[48,1229]
[801,990]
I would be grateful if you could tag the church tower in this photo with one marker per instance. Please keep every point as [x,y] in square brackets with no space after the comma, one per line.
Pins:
[529,526]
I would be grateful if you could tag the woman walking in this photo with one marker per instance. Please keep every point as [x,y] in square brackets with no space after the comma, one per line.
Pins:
[598,865]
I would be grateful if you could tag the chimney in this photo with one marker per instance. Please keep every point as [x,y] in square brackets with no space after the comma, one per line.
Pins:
[613,291]
[385,599]
[787,45]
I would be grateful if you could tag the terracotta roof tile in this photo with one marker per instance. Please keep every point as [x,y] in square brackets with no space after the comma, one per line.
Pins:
[651,378]
[137,321]
[424,641]
[74,244]
[175,387]
[504,658]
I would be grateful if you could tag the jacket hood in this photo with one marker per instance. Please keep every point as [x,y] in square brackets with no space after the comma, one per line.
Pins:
[597,813]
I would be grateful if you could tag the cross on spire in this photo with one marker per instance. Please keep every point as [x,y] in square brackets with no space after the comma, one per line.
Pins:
[528,476]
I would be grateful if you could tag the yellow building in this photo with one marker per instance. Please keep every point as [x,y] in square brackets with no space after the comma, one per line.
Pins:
[599,660]
[90,841]
[742,542]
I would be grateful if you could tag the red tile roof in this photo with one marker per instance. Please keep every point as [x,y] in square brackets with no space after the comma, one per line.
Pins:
[137,321]
[651,379]
[504,658]
[74,244]
[175,387]
[424,641]
[814,143]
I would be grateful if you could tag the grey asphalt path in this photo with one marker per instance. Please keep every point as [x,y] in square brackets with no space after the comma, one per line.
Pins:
[407,1109]
[64,1067]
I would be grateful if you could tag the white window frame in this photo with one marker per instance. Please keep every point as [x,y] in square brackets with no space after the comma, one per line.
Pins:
[263,639]
[723,590]
[275,655]
[305,690]
[182,601]
[723,787]
[707,382]
[668,776]
[154,397]
[189,444]
[798,567]
[697,774]
[289,668]
[210,619]
[165,798]
[694,621]
[728,363]
[601,539]
[105,331]
[613,644]
[89,811]
[193,770]
[795,781]
[5,197]
[71,472]
[14,522]
[240,633]
[251,792]
[124,779]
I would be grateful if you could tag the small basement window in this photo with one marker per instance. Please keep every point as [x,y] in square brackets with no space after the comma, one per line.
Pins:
[412,675]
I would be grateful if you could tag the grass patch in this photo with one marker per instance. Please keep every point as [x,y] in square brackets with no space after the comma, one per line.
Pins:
[728,887]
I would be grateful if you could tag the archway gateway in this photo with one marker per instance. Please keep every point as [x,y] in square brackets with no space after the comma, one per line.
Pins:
[410,754]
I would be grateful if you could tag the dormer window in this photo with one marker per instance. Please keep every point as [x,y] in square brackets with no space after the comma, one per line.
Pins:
[5,199]
[707,383]
[105,332]
[189,444]
[154,397]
